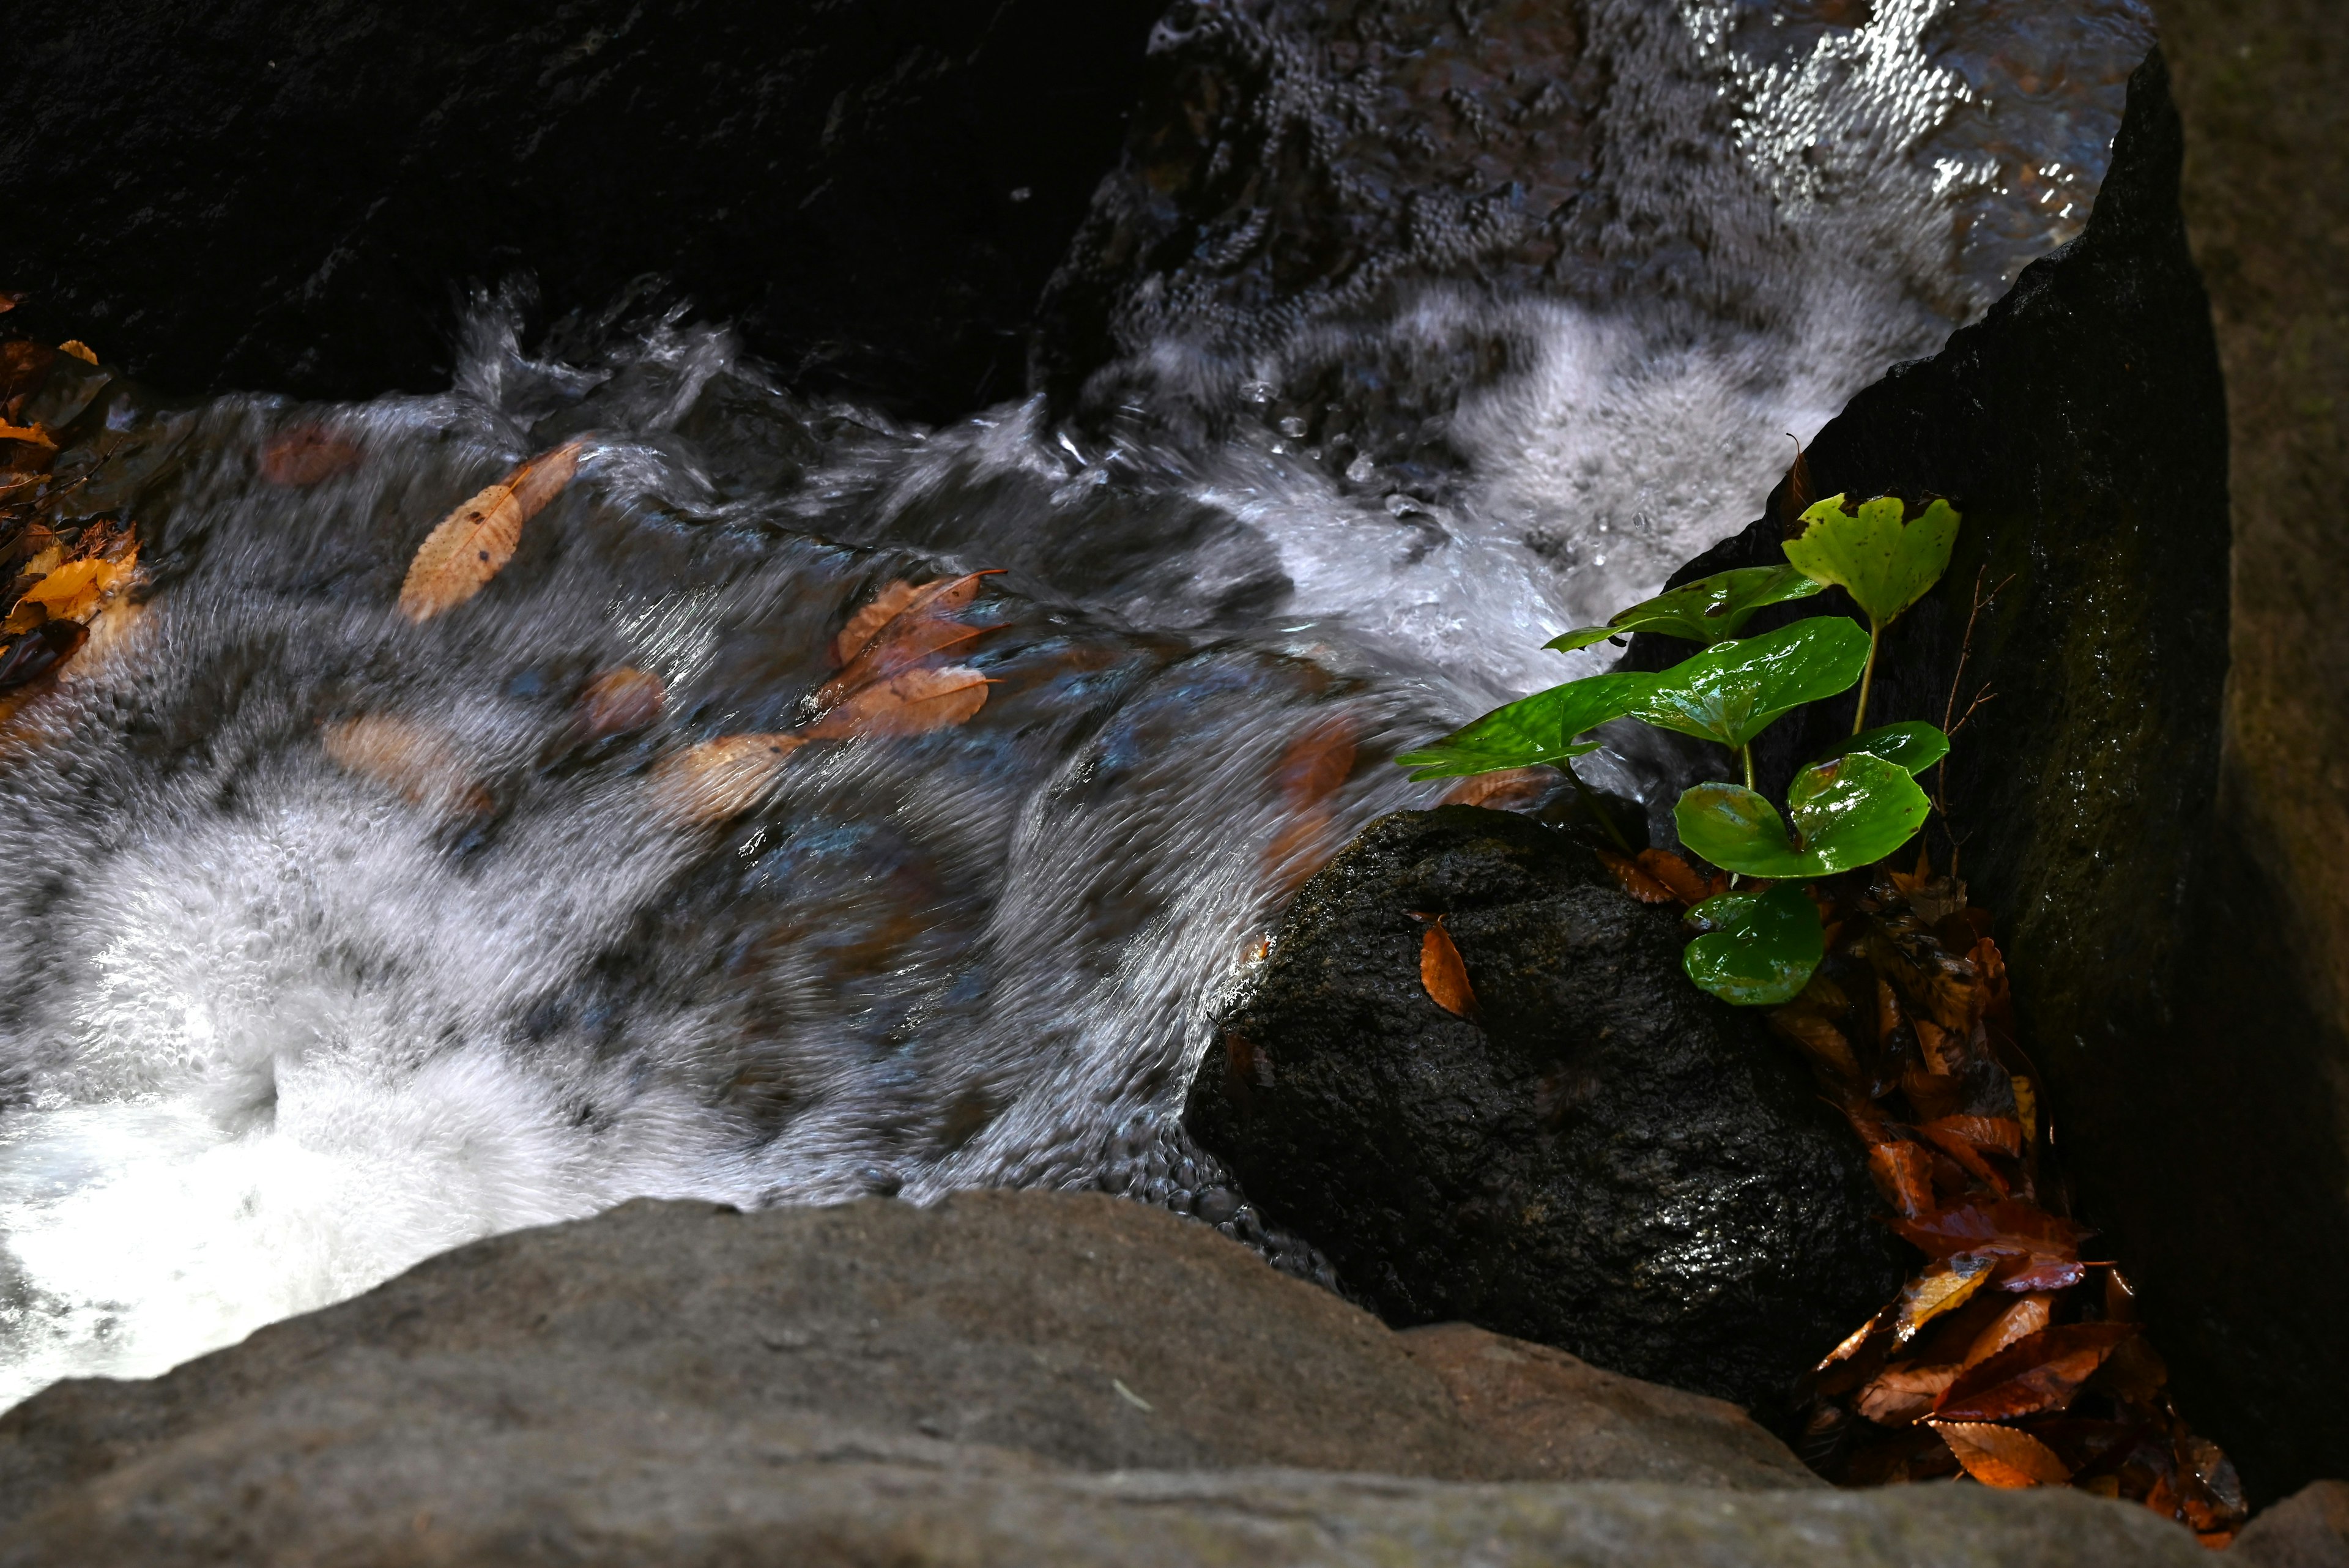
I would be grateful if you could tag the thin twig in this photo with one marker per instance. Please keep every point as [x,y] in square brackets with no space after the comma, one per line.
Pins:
[1948,710]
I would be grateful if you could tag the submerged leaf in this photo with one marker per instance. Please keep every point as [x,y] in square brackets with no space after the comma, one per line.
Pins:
[1542,728]
[2001,1456]
[473,542]
[1849,811]
[876,613]
[621,701]
[1443,974]
[721,778]
[418,762]
[1913,744]
[1734,691]
[1707,610]
[920,625]
[1886,565]
[911,702]
[1761,948]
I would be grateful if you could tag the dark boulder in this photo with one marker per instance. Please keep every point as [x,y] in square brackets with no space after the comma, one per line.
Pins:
[1608,1160]
[262,194]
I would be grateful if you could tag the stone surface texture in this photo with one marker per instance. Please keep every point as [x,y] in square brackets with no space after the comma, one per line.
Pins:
[1606,1160]
[260,194]
[2310,1529]
[1007,1379]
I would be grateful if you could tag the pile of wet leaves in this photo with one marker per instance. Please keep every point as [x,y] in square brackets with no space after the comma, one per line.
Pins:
[2009,1357]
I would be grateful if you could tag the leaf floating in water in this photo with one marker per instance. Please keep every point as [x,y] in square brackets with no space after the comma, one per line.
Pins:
[1313,767]
[721,778]
[80,351]
[910,703]
[2001,1456]
[884,608]
[306,455]
[473,542]
[417,761]
[920,625]
[621,701]
[1443,974]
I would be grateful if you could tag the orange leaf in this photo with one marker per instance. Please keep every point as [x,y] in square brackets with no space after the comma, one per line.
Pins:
[32,433]
[721,778]
[1503,791]
[473,542]
[2023,1318]
[80,351]
[75,589]
[2038,1372]
[1819,1039]
[2002,1457]
[1313,768]
[910,703]
[1904,1174]
[1675,874]
[1442,973]
[1943,1285]
[1851,1343]
[877,612]
[620,701]
[417,761]
[1904,1393]
[1636,880]
[918,627]
[2012,1223]
[1952,1138]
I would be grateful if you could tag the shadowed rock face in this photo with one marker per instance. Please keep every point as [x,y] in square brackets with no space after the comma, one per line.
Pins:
[253,193]
[1007,1379]
[1607,1160]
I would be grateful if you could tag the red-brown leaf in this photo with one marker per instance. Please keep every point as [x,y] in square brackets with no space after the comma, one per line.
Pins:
[306,454]
[2001,1456]
[1635,880]
[919,627]
[2020,1320]
[910,703]
[1904,1174]
[1506,789]
[1675,874]
[1442,973]
[1904,1393]
[2038,1372]
[620,701]
[2022,1227]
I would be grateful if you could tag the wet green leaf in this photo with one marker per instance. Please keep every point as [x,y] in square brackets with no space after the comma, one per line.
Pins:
[1542,728]
[1885,563]
[1849,811]
[1761,948]
[1731,690]
[1915,745]
[1709,610]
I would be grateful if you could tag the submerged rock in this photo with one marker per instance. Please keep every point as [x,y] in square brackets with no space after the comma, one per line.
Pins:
[1007,1379]
[1605,1160]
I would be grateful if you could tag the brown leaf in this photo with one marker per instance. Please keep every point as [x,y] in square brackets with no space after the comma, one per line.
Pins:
[1443,974]
[417,761]
[1313,766]
[2018,1320]
[1635,878]
[1953,1137]
[2001,1456]
[1505,790]
[1944,1284]
[918,627]
[1903,1394]
[910,703]
[80,351]
[306,455]
[877,612]
[1676,874]
[1820,1040]
[2013,1223]
[721,778]
[2038,1372]
[621,701]
[1851,1343]
[1938,1046]
[473,542]
[31,435]
[1800,494]
[1904,1174]
[2026,1108]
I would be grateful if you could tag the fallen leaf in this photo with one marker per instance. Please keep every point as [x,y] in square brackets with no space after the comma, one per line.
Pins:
[1820,1040]
[1443,974]
[1313,766]
[2018,1320]
[1902,1394]
[1938,1046]
[1682,878]
[1504,790]
[621,701]
[1851,1343]
[39,652]
[1903,1174]
[1944,1284]
[721,778]
[879,612]
[80,351]
[473,542]
[911,702]
[1635,879]
[1800,494]
[418,762]
[33,434]
[2011,1222]
[2001,1456]
[75,589]
[306,454]
[2039,1372]
[1963,1138]
[2026,1108]
[916,628]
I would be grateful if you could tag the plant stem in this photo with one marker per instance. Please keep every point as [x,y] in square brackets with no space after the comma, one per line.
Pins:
[1747,753]
[1867,677]
[1590,799]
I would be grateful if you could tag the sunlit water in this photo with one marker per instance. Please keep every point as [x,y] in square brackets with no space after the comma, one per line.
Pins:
[270,1031]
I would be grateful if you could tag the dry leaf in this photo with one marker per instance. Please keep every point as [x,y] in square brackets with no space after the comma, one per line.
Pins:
[621,701]
[1944,1285]
[80,351]
[32,433]
[1820,1040]
[1442,973]
[473,542]
[1904,1393]
[917,628]
[721,778]
[75,590]
[1635,879]
[417,761]
[884,608]
[1851,1343]
[910,703]
[2018,1320]
[1904,1174]
[2026,1108]
[1800,492]
[2038,1372]
[1678,874]
[2002,1457]
[306,454]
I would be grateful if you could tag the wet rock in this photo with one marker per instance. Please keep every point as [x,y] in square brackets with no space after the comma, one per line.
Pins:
[2080,427]
[1606,1160]
[1007,1379]
[2309,1529]
[290,196]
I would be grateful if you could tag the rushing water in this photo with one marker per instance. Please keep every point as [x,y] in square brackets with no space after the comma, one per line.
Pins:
[271,1030]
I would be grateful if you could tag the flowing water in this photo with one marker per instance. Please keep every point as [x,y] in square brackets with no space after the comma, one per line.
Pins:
[271,1029]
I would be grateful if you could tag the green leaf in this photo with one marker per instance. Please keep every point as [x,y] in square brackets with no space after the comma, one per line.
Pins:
[1707,610]
[1731,690]
[1761,948]
[1885,563]
[1848,810]
[1915,745]
[1542,728]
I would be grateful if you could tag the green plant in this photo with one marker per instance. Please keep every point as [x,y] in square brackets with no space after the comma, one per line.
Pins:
[1852,806]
